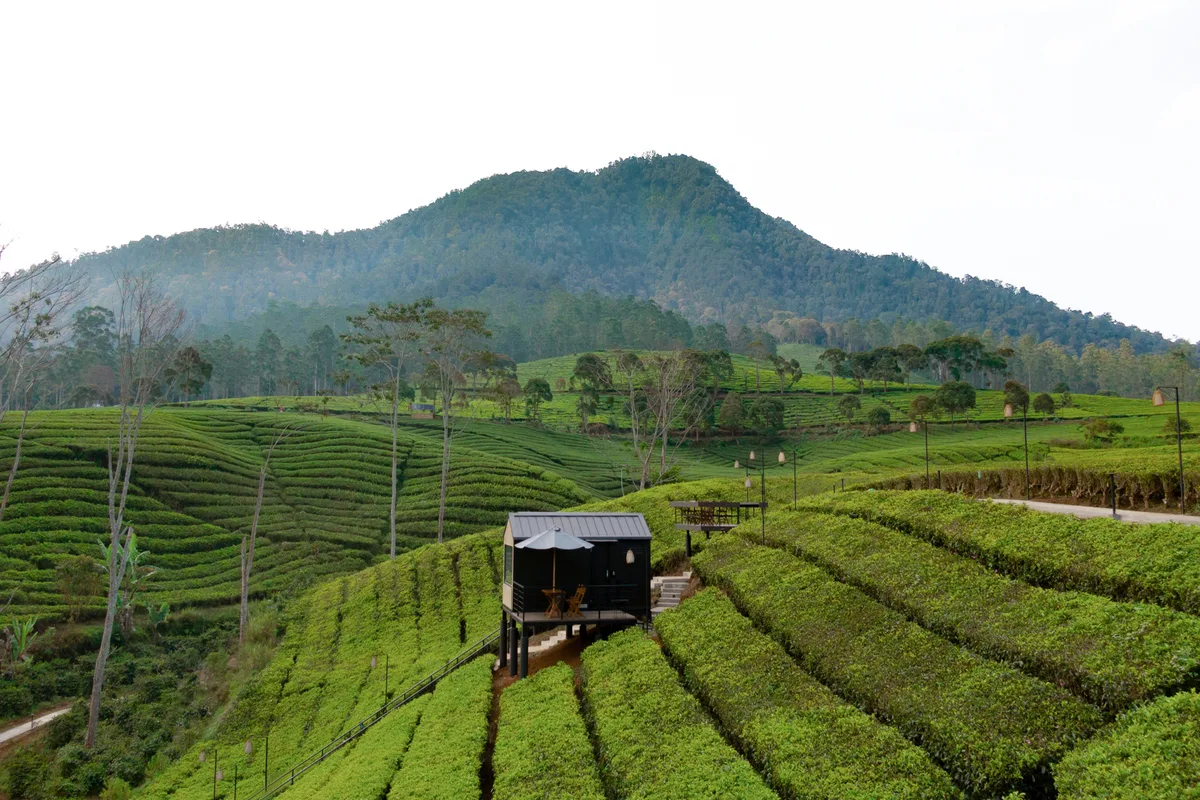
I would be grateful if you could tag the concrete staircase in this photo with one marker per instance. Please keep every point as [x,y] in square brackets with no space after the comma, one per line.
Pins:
[672,588]
[542,643]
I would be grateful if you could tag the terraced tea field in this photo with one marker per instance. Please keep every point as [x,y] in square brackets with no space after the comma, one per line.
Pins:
[873,645]
[195,477]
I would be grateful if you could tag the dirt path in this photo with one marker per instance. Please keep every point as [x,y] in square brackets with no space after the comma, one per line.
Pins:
[30,725]
[1088,512]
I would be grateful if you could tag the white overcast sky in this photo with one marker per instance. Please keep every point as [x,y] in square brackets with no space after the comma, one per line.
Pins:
[1051,145]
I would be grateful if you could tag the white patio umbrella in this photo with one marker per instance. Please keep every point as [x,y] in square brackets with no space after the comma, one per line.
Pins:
[555,539]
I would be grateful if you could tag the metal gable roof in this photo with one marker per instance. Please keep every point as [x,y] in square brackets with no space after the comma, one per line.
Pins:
[589,526]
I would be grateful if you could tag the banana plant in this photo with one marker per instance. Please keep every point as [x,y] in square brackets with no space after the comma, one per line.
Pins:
[136,572]
[156,617]
[21,634]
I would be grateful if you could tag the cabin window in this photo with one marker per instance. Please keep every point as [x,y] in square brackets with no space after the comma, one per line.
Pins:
[508,555]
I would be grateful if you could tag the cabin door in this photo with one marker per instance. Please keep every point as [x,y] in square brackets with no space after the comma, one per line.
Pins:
[605,567]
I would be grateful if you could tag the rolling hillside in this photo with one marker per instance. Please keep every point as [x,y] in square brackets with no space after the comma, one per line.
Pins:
[325,509]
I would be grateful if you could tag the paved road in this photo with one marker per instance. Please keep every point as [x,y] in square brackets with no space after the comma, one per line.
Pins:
[18,731]
[1087,512]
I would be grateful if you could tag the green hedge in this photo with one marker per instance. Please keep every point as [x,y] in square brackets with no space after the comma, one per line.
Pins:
[1150,753]
[992,728]
[654,740]
[1154,563]
[542,748]
[810,743]
[1113,654]
[446,754]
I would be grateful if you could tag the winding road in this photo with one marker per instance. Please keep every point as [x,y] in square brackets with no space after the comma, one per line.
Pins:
[17,731]
[1088,512]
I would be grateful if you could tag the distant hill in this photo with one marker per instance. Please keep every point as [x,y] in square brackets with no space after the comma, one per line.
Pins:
[666,228]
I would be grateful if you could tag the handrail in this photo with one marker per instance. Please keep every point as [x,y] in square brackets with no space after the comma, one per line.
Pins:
[288,776]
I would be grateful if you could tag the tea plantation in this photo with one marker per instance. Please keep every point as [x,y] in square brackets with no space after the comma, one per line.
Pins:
[872,645]
[195,476]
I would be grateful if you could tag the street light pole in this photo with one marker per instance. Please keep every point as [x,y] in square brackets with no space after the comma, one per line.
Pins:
[1025,425]
[1159,400]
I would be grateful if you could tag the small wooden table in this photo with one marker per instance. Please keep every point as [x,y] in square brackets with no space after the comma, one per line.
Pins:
[554,599]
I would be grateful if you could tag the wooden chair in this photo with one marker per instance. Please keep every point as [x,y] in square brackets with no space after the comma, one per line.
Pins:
[575,601]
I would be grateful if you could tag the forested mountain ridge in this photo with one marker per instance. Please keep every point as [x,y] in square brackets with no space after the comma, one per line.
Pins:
[666,228]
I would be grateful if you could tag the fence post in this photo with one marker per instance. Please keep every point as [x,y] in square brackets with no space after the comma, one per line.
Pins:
[939,480]
[1112,490]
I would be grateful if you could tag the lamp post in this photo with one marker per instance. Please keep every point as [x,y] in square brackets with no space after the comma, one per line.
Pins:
[1008,412]
[1159,399]
[795,458]
[912,428]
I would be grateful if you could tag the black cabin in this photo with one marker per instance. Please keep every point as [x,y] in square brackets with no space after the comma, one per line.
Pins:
[608,584]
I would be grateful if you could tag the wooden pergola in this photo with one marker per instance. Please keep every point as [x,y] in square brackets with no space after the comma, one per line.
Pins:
[706,516]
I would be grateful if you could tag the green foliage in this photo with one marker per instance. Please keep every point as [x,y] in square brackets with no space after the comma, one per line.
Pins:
[1102,429]
[848,405]
[542,747]
[879,417]
[732,415]
[955,397]
[1150,753]
[1173,426]
[993,728]
[116,789]
[1152,563]
[1112,654]
[1044,404]
[653,738]
[446,753]
[802,736]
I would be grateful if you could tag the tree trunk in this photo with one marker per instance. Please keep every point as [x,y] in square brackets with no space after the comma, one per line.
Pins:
[116,574]
[12,471]
[395,424]
[445,469]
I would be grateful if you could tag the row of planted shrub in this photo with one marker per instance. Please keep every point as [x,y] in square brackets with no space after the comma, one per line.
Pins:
[1150,753]
[993,728]
[1157,563]
[807,741]
[653,739]
[322,678]
[1113,654]
[1153,486]
[542,747]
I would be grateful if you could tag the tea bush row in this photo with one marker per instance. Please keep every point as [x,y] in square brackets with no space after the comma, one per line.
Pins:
[1157,563]
[653,739]
[811,744]
[1113,654]
[991,727]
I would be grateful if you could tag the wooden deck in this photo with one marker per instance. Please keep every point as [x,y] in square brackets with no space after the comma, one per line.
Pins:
[593,618]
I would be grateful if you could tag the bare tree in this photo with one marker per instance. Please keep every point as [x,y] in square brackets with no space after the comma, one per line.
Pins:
[249,541]
[674,399]
[451,339]
[629,371]
[148,328]
[37,301]
[386,336]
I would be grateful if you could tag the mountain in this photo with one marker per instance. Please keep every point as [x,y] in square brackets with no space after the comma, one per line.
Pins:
[666,228]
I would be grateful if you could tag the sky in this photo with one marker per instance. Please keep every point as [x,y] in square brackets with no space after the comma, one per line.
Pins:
[1052,145]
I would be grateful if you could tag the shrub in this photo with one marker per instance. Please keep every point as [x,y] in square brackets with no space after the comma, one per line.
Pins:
[444,759]
[1155,563]
[542,747]
[1150,753]
[991,727]
[1113,654]
[116,789]
[809,742]
[654,739]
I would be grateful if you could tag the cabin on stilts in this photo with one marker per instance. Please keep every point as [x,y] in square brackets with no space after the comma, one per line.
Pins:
[571,569]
